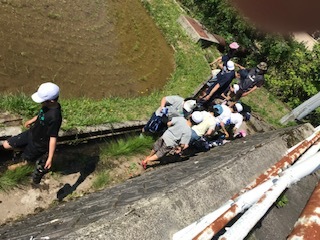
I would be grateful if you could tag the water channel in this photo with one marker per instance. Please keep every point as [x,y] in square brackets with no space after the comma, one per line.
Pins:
[93,49]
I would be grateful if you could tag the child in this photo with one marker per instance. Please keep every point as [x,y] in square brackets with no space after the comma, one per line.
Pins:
[38,143]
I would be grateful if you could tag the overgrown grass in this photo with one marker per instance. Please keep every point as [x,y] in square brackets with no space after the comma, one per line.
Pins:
[127,147]
[12,178]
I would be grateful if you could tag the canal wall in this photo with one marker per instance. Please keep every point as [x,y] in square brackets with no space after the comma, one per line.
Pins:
[161,202]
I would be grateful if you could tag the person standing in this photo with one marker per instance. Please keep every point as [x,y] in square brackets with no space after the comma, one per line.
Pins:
[38,143]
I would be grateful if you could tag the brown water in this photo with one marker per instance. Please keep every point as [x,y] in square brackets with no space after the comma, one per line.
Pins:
[90,48]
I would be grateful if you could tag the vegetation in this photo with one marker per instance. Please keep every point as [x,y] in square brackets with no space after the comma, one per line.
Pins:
[293,75]
[119,149]
[127,147]
[12,178]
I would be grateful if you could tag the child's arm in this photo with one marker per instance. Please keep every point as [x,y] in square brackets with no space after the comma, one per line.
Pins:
[28,123]
[52,148]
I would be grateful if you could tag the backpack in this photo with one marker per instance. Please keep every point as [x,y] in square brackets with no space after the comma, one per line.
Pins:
[155,124]
[202,145]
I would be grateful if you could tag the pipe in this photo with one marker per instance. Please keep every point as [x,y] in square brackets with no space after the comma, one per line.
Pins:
[284,162]
[193,229]
[243,226]
[218,223]
[308,225]
[242,203]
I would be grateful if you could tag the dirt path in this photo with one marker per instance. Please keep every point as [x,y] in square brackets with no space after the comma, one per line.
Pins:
[27,199]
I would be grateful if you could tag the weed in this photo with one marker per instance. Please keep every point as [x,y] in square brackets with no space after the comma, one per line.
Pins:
[12,178]
[127,147]
[55,16]
[282,201]
[101,180]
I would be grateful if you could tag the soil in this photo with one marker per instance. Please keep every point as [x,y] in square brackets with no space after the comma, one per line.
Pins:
[57,188]
[91,49]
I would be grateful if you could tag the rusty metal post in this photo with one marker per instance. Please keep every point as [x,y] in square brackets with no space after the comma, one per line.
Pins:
[284,162]
[308,225]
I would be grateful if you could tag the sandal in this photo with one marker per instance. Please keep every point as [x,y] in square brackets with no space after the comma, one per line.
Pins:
[144,165]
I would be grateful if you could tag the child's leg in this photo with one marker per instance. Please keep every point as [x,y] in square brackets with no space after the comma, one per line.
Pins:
[39,171]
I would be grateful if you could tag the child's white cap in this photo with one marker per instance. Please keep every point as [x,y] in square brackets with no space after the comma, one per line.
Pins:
[46,91]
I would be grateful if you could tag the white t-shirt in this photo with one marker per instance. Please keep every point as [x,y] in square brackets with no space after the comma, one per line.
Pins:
[225,115]
[236,119]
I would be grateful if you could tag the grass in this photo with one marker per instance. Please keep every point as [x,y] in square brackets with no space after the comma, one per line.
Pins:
[12,178]
[102,179]
[191,69]
[127,147]
[121,148]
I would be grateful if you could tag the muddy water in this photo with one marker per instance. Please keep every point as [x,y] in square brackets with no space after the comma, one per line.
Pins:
[90,48]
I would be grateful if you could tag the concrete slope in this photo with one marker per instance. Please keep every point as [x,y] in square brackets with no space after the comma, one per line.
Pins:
[161,202]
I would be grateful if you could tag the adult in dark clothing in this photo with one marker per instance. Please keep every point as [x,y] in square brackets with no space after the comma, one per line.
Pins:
[222,60]
[223,81]
[250,80]
[38,143]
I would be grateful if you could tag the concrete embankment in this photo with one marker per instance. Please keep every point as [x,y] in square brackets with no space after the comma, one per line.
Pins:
[159,203]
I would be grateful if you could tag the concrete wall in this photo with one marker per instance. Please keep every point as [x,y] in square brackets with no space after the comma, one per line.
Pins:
[161,202]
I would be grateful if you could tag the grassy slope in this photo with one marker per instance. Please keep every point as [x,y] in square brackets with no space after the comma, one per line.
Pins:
[191,69]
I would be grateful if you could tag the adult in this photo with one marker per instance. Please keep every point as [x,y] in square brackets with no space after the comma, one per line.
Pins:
[224,79]
[250,80]
[176,138]
[222,60]
[39,141]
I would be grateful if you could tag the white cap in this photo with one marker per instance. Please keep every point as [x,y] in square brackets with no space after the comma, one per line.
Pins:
[197,117]
[189,105]
[235,88]
[46,91]
[230,65]
[239,107]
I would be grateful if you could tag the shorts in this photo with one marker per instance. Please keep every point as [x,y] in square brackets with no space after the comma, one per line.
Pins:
[161,148]
[24,142]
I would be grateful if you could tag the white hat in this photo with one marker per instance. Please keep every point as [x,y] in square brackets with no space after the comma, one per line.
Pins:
[239,107]
[189,105]
[46,91]
[197,117]
[235,88]
[230,65]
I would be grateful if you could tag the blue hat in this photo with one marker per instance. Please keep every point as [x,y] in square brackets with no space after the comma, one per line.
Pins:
[218,108]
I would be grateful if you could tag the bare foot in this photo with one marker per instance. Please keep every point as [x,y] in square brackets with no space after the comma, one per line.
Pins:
[15,166]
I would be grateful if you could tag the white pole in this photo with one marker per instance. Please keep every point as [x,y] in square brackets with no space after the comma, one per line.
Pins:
[243,226]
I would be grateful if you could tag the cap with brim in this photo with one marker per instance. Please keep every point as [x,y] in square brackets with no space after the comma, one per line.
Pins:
[235,88]
[46,91]
[218,108]
[234,45]
[197,117]
[263,66]
[239,107]
[230,65]
[189,105]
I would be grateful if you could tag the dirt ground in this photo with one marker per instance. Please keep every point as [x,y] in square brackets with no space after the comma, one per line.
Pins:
[91,49]
[56,189]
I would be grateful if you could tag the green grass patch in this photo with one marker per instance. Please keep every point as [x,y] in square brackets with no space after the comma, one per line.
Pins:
[102,179]
[12,178]
[127,146]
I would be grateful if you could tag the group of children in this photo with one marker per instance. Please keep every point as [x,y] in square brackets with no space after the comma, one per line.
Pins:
[180,122]
[193,122]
